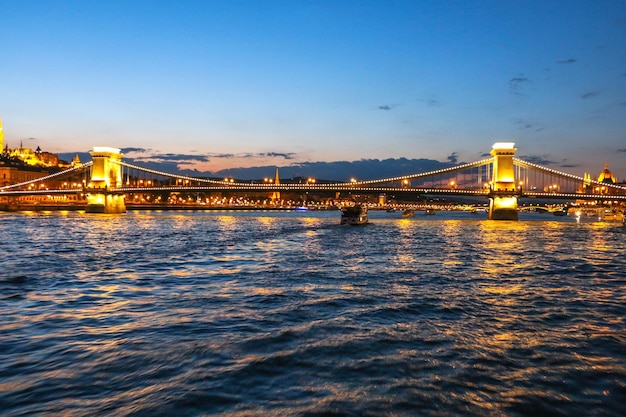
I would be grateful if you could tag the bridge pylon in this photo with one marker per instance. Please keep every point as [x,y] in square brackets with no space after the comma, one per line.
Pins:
[105,173]
[503,195]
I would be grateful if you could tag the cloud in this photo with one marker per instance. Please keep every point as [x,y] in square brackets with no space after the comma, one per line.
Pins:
[565,164]
[246,155]
[516,83]
[590,94]
[621,151]
[453,158]
[222,155]
[287,155]
[137,150]
[430,102]
[522,124]
[171,157]
[341,170]
[538,159]
[566,61]
[385,107]
[485,155]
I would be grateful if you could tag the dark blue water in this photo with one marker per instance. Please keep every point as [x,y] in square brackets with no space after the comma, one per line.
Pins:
[246,314]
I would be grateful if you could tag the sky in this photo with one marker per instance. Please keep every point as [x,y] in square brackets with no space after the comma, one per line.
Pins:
[213,85]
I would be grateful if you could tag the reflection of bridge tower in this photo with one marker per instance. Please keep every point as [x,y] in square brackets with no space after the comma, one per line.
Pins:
[503,197]
[105,173]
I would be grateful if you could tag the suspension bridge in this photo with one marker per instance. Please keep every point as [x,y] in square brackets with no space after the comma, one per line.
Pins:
[502,179]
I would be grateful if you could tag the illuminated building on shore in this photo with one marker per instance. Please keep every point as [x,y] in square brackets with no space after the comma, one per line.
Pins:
[13,171]
[23,164]
[36,158]
[605,177]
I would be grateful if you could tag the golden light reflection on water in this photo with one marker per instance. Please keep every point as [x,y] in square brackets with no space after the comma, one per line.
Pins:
[266,291]
[310,221]
[405,258]
[227,220]
[501,244]
[476,329]
[503,290]
[267,221]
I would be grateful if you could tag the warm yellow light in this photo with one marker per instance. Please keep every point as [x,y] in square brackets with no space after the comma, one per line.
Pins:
[503,145]
[505,202]
[99,149]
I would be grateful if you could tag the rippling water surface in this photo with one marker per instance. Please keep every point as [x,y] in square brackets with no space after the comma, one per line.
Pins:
[263,313]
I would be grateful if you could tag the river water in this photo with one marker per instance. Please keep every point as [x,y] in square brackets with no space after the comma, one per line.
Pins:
[289,313]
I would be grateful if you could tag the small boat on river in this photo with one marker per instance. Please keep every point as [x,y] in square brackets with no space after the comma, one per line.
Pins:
[429,212]
[354,215]
[408,213]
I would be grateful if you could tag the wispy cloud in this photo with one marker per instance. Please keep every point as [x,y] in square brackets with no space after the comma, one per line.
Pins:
[589,95]
[247,155]
[431,102]
[453,158]
[284,155]
[222,155]
[523,124]
[621,151]
[386,107]
[134,150]
[566,164]
[538,159]
[171,157]
[516,84]
[567,61]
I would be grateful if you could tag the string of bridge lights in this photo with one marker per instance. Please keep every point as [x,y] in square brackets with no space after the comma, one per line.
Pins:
[47,177]
[220,184]
[308,185]
[527,164]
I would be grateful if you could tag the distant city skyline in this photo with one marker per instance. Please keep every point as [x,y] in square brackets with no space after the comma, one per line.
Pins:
[212,85]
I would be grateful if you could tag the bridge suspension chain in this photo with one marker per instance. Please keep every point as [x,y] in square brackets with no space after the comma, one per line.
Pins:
[48,177]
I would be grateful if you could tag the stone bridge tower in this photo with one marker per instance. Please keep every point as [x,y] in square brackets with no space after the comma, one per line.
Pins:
[503,193]
[105,174]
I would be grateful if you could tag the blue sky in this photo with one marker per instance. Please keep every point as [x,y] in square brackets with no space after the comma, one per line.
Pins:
[249,83]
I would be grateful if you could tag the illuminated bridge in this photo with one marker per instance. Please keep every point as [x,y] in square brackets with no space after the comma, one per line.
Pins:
[502,179]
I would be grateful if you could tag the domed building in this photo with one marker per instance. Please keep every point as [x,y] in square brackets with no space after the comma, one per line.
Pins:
[606,176]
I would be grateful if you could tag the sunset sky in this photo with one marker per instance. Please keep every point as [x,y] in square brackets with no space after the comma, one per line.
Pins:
[219,84]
